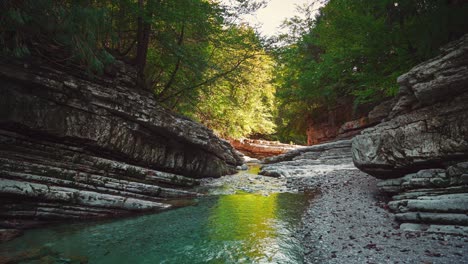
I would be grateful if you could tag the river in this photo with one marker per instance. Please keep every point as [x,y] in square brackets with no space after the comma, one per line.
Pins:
[237,227]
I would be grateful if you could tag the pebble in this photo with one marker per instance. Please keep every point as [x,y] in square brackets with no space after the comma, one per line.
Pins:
[350,208]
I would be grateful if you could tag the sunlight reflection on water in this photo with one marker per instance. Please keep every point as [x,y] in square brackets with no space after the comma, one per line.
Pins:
[239,228]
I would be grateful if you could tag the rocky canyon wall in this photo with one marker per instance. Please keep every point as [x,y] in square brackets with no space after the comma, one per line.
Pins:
[257,148]
[421,152]
[74,148]
[344,122]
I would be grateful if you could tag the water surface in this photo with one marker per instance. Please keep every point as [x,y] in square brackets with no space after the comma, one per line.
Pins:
[236,228]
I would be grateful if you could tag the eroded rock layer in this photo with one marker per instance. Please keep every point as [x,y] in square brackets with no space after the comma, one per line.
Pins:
[309,161]
[75,148]
[429,122]
[421,151]
[431,198]
[344,121]
[262,148]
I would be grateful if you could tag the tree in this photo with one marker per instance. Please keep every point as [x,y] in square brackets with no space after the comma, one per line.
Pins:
[143,38]
[182,50]
[357,49]
[241,103]
[65,33]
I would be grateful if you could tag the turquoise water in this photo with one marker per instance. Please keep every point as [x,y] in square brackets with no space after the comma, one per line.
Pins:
[239,228]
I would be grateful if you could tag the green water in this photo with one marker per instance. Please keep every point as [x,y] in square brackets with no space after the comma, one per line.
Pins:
[254,168]
[239,228]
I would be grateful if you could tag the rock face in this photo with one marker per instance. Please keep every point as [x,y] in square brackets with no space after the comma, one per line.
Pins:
[433,197]
[310,161]
[262,148]
[421,151]
[343,122]
[429,122]
[348,222]
[75,148]
[325,125]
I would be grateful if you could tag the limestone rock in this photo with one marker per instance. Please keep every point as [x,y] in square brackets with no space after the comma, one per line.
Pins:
[422,179]
[262,148]
[435,196]
[381,111]
[441,78]
[72,195]
[310,161]
[450,219]
[429,125]
[444,229]
[341,146]
[73,147]
[107,116]
[419,150]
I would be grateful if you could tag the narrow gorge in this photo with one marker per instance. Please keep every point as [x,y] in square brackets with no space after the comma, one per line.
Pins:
[182,132]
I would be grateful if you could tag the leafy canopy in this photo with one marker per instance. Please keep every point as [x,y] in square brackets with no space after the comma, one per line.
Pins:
[357,49]
[190,53]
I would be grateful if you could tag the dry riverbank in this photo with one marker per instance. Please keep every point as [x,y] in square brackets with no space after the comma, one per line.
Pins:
[349,222]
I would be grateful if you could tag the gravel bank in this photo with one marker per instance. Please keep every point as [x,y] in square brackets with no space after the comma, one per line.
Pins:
[348,223]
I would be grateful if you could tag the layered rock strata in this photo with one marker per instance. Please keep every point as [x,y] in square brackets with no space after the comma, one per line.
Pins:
[262,148]
[348,222]
[421,151]
[429,122]
[344,122]
[311,160]
[431,197]
[73,148]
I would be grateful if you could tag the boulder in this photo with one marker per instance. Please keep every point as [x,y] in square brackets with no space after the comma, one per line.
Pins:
[428,125]
[78,147]
[421,148]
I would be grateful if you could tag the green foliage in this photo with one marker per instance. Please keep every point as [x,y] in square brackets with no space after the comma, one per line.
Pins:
[198,61]
[63,32]
[357,49]
[242,103]
[180,55]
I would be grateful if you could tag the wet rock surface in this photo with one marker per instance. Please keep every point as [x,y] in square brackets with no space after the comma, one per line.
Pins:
[349,221]
[9,234]
[75,148]
[248,181]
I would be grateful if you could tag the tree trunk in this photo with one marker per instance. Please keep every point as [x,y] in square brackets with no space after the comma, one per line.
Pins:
[169,83]
[143,37]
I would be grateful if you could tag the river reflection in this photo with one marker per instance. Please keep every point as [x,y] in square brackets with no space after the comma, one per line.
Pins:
[239,228]
[255,232]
